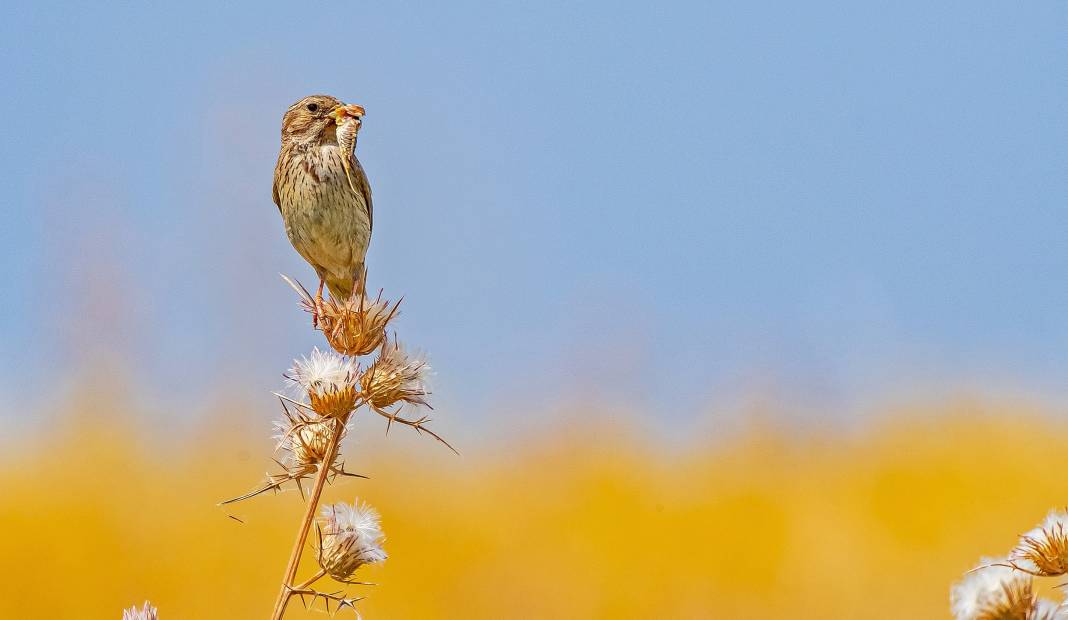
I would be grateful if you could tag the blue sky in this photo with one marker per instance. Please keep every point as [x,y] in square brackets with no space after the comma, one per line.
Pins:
[667,205]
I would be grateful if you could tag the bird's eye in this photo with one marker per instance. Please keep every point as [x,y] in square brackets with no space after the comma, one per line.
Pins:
[312,107]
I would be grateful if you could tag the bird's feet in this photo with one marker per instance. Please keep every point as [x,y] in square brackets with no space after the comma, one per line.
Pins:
[318,305]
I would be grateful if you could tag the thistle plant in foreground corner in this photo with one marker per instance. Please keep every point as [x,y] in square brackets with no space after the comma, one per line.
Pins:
[146,612]
[330,388]
[1003,589]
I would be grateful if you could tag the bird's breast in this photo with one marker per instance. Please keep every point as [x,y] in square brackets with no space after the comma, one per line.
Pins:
[325,220]
[315,180]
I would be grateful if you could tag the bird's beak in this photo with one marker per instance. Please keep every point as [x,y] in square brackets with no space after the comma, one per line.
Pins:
[342,112]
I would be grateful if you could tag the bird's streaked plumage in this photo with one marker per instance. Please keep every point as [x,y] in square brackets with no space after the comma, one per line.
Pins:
[322,191]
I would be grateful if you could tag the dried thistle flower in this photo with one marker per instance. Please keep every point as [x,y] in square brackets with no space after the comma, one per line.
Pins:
[395,377]
[350,536]
[305,438]
[329,380]
[1044,550]
[147,612]
[356,326]
[993,591]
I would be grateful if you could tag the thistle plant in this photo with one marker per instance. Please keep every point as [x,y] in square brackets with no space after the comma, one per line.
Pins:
[328,389]
[146,612]
[1043,551]
[1003,589]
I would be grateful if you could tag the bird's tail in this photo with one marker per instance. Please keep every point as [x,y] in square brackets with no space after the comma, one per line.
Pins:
[342,288]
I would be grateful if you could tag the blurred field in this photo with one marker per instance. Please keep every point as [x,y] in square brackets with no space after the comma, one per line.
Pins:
[578,523]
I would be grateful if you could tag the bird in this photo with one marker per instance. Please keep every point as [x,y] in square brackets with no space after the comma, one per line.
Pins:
[323,193]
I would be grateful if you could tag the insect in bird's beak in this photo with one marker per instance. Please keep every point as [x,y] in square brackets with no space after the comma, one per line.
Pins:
[342,112]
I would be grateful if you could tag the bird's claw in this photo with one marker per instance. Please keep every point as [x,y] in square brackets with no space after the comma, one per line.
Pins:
[318,305]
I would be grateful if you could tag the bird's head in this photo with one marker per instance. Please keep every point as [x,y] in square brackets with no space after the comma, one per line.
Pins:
[314,119]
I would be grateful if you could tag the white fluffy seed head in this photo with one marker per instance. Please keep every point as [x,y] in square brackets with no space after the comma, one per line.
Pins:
[1046,609]
[1044,549]
[351,537]
[1056,523]
[147,612]
[987,588]
[323,373]
[329,381]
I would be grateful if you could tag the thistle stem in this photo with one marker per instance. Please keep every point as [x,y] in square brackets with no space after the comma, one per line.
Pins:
[305,525]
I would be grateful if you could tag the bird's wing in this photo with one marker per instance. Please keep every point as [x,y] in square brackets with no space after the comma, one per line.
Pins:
[274,186]
[359,183]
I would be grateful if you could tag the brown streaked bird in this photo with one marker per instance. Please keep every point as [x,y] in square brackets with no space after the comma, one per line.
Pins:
[322,191]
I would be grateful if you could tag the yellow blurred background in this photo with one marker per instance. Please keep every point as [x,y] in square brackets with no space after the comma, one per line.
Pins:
[676,206]
[585,519]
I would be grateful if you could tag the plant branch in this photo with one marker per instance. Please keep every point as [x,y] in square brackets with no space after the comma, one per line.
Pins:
[337,598]
[305,524]
[419,425]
